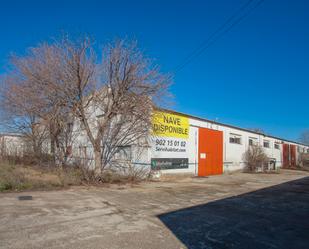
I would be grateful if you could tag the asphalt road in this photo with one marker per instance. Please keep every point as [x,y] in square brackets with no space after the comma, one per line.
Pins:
[229,211]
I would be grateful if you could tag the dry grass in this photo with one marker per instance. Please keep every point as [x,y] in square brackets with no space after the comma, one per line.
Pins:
[20,177]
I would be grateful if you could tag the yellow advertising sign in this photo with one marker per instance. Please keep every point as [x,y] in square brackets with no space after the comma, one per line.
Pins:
[165,124]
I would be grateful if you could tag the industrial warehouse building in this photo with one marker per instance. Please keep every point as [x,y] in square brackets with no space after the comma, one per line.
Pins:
[183,143]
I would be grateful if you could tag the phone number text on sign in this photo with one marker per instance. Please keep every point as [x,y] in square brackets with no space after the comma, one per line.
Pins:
[170,145]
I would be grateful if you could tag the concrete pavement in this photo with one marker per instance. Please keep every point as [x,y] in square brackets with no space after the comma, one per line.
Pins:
[181,213]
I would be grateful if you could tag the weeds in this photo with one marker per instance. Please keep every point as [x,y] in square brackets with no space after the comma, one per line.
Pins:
[21,177]
[12,179]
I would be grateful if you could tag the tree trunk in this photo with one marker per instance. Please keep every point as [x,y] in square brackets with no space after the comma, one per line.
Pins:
[52,142]
[97,161]
[52,149]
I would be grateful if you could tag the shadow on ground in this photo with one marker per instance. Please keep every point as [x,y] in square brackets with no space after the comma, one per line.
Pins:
[274,217]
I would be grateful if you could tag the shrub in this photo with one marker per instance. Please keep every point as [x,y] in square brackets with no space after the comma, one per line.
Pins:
[255,159]
[303,160]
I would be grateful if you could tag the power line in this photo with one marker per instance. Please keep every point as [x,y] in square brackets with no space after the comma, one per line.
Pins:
[244,6]
[231,22]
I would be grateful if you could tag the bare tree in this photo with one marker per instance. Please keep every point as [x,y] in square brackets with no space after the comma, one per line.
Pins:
[304,137]
[31,100]
[19,115]
[258,130]
[111,100]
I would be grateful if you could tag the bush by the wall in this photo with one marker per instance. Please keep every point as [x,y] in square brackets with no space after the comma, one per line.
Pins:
[255,159]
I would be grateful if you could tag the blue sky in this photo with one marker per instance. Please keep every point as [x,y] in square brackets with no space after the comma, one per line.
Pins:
[256,75]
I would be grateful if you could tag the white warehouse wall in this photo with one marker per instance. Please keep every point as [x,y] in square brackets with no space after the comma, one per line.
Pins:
[232,153]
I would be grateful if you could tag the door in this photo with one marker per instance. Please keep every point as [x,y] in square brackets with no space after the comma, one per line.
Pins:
[210,156]
[286,155]
[289,155]
[293,155]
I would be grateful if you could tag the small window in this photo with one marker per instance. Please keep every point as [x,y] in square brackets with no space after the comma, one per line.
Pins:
[252,141]
[235,139]
[70,127]
[81,125]
[266,144]
[124,153]
[83,152]
[277,146]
